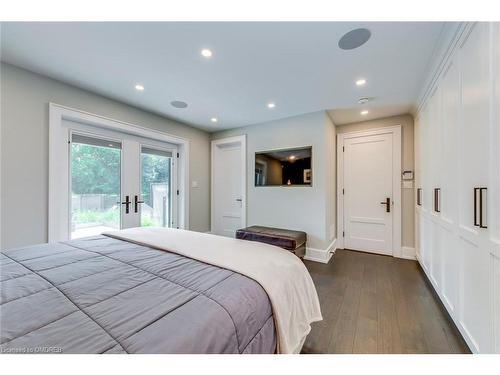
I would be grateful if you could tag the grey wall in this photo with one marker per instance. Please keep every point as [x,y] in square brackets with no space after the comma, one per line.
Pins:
[408,206]
[301,208]
[331,188]
[25,98]
[24,161]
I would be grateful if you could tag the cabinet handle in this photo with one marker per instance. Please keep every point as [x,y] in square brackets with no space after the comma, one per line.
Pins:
[437,203]
[476,224]
[419,196]
[481,207]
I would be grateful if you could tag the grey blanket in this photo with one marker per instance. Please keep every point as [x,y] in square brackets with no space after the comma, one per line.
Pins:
[102,295]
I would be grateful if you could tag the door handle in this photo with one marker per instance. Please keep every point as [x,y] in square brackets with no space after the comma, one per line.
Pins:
[136,203]
[126,203]
[239,200]
[419,196]
[387,204]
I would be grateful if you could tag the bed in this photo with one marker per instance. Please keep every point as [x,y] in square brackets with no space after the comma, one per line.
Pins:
[114,294]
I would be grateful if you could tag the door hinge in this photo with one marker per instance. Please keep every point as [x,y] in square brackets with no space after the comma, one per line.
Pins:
[343,149]
[343,191]
[343,234]
[177,155]
[177,192]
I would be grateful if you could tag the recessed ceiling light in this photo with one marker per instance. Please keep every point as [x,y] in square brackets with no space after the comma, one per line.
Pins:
[292,157]
[178,104]
[354,39]
[360,82]
[139,87]
[271,105]
[364,113]
[206,53]
[214,119]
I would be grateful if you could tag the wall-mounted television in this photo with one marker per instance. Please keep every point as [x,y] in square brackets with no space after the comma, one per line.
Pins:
[287,167]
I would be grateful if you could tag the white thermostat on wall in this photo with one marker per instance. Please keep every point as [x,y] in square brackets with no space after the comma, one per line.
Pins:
[407,175]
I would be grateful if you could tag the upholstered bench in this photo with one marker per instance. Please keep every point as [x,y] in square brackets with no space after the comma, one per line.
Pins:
[291,240]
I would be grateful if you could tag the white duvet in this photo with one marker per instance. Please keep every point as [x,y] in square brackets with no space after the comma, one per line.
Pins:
[282,275]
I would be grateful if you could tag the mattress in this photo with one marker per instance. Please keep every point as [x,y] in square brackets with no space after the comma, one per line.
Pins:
[104,295]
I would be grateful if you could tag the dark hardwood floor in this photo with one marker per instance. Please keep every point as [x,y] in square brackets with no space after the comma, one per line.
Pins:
[378,304]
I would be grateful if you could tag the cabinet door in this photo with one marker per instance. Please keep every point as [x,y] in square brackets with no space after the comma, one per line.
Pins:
[496,306]
[475,307]
[424,241]
[417,176]
[433,183]
[474,124]
[450,102]
[494,198]
[426,157]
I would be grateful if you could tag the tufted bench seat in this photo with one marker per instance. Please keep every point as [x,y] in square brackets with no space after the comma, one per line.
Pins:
[291,240]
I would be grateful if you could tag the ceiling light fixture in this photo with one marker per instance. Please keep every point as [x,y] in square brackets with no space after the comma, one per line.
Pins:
[206,53]
[214,119]
[363,100]
[360,82]
[364,113]
[139,87]
[292,157]
[271,105]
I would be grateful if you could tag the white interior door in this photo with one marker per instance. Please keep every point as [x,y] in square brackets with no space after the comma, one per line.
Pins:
[368,193]
[228,185]
[119,181]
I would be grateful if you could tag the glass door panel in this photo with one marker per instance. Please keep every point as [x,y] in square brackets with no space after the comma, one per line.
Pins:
[95,185]
[156,187]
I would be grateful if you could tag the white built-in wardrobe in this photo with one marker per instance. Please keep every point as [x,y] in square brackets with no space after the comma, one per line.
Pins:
[457,146]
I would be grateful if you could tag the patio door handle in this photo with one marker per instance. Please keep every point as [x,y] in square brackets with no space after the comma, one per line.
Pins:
[136,203]
[126,203]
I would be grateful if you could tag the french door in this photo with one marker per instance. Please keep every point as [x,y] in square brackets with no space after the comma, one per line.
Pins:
[119,181]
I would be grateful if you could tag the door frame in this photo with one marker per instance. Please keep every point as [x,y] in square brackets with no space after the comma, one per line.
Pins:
[58,194]
[395,131]
[241,139]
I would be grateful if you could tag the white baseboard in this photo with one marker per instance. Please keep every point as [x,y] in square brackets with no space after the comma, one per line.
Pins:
[408,253]
[321,256]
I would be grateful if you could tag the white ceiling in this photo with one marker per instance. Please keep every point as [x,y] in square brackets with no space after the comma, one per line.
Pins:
[299,66]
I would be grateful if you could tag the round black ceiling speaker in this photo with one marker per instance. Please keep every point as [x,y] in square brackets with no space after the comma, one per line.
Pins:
[354,39]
